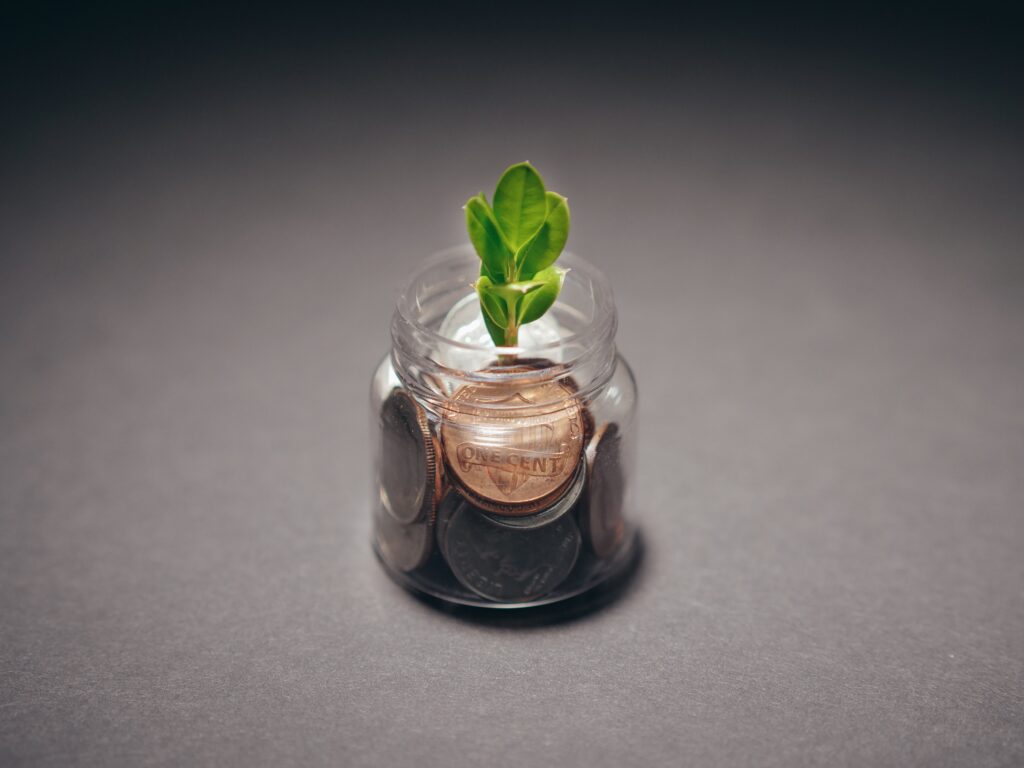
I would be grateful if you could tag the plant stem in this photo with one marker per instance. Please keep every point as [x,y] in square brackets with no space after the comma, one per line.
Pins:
[512,334]
[511,340]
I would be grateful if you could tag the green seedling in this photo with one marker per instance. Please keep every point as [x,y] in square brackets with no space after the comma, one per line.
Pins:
[518,240]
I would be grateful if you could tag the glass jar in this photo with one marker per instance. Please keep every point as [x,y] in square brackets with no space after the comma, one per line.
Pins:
[502,476]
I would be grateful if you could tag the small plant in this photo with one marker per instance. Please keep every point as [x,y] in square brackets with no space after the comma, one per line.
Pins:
[518,241]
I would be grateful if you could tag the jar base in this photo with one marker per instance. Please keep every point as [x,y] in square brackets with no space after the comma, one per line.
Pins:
[434,581]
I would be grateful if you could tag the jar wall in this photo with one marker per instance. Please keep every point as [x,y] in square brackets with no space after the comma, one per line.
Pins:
[510,484]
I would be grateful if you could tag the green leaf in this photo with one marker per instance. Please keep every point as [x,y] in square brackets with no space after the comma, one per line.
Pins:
[513,293]
[496,331]
[534,305]
[501,302]
[518,242]
[487,239]
[485,272]
[545,246]
[519,203]
[494,307]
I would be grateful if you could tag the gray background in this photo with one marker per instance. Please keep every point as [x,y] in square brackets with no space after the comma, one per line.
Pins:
[816,254]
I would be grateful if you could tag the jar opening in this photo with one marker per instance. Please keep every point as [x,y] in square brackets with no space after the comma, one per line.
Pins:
[439,341]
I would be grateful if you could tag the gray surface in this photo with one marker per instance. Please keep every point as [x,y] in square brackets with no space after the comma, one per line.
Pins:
[820,288]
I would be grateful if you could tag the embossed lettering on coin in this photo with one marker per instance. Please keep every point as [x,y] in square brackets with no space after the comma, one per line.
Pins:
[563,505]
[512,445]
[602,502]
[506,564]
[409,478]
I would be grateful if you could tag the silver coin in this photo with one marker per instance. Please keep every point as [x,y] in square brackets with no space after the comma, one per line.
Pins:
[445,509]
[601,510]
[403,547]
[409,471]
[556,510]
[506,564]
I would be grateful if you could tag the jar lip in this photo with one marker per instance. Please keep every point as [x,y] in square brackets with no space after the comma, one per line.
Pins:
[602,325]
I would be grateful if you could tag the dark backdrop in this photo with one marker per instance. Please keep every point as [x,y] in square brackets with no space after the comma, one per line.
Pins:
[812,222]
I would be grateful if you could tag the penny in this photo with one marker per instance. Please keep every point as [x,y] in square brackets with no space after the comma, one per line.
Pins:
[503,564]
[403,547]
[589,425]
[542,363]
[410,481]
[547,516]
[601,511]
[513,446]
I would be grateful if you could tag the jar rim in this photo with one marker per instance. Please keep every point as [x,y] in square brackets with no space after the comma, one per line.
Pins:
[601,327]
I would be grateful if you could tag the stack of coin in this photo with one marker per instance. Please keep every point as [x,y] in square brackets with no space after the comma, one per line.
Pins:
[514,451]
[411,483]
[601,512]
[521,489]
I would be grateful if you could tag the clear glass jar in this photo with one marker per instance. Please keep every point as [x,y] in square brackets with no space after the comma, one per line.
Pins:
[502,476]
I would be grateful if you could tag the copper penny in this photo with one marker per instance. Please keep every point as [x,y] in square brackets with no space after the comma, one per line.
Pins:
[561,506]
[513,446]
[541,363]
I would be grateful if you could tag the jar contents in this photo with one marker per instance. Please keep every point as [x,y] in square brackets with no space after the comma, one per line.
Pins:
[506,490]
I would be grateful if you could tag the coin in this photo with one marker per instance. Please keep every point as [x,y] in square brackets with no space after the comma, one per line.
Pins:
[403,547]
[601,511]
[547,516]
[410,481]
[542,363]
[445,510]
[589,425]
[513,446]
[503,564]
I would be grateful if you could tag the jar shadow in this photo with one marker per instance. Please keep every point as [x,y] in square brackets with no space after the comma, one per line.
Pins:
[565,611]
